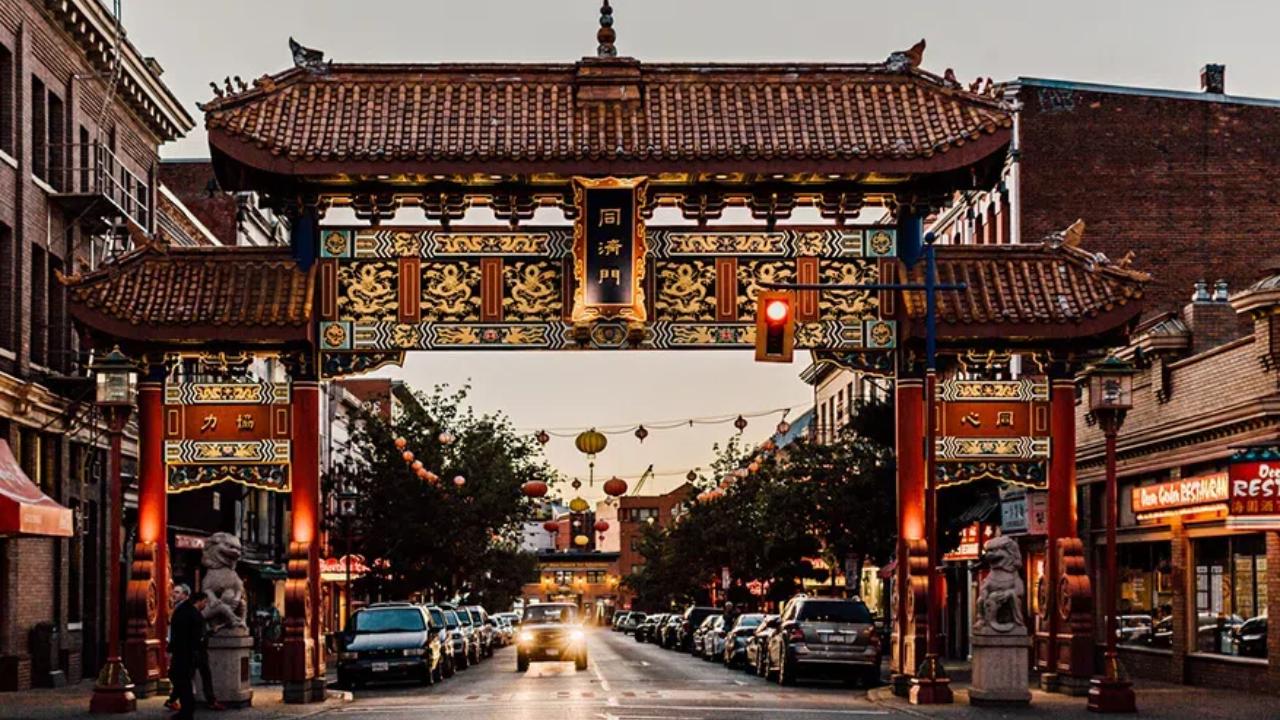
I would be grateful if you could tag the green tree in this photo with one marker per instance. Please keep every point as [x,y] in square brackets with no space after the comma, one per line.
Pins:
[440,539]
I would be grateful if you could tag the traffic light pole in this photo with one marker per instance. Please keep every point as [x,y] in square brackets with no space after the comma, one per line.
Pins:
[931,685]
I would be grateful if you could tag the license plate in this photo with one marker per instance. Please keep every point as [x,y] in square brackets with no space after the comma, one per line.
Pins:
[553,652]
[380,667]
[839,639]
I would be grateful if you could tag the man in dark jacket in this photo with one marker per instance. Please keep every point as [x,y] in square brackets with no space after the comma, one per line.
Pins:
[186,643]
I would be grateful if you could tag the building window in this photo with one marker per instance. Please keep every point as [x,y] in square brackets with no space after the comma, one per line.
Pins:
[635,544]
[6,100]
[39,307]
[1146,595]
[59,334]
[8,283]
[638,514]
[595,577]
[564,577]
[637,567]
[56,142]
[1231,595]
[39,130]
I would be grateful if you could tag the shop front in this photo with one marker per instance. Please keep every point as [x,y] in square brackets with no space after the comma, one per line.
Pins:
[1195,583]
[587,579]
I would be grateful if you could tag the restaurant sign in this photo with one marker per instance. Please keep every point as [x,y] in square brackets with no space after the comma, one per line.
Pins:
[226,431]
[1254,500]
[1200,493]
[993,430]
[972,538]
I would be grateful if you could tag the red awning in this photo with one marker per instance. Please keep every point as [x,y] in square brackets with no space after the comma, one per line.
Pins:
[24,509]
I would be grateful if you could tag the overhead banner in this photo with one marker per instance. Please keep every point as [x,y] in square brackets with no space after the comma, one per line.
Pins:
[993,430]
[227,432]
[609,249]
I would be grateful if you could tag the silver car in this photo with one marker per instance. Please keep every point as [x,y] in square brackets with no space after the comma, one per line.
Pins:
[825,634]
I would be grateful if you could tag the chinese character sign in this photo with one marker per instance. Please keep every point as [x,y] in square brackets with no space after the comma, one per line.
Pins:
[1255,488]
[609,249]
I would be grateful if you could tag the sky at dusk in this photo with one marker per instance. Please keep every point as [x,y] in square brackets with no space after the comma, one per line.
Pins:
[1149,43]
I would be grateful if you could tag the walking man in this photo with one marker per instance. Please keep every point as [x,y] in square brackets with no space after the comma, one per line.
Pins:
[186,637]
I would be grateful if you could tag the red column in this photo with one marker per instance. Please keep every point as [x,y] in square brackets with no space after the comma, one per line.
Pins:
[305,478]
[1062,514]
[909,401]
[153,500]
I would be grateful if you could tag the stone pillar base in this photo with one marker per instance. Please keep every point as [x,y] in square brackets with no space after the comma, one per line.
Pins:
[1000,670]
[901,684]
[1064,684]
[304,691]
[229,668]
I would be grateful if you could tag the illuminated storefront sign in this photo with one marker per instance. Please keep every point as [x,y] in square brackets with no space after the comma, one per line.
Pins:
[1200,493]
[1255,488]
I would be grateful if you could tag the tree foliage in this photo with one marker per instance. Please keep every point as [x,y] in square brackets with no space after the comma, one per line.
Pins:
[806,501]
[437,539]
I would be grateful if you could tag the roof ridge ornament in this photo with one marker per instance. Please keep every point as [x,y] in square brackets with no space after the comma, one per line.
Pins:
[308,59]
[606,35]
[904,60]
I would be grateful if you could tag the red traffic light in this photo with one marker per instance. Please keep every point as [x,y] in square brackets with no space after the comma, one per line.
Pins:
[775,326]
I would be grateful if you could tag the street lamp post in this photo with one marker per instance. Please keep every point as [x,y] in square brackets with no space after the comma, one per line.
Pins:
[348,507]
[116,380]
[1110,397]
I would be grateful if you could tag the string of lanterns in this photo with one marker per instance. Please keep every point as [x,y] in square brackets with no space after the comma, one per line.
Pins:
[445,438]
[641,431]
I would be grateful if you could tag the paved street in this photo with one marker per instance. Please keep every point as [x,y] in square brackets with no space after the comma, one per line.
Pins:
[625,681]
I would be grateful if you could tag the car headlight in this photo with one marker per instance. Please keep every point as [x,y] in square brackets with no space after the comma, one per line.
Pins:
[414,652]
[526,636]
[576,636]
[348,656]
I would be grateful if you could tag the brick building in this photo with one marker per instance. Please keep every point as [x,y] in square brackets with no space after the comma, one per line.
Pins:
[78,167]
[1183,181]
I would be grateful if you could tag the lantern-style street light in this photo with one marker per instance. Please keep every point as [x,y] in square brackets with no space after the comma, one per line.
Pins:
[348,508]
[116,381]
[1110,385]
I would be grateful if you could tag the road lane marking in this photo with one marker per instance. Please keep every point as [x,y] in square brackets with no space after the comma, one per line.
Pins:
[620,708]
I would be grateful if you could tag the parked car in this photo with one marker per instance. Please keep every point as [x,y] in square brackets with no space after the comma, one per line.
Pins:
[485,631]
[1250,639]
[700,633]
[505,628]
[550,632]
[618,618]
[440,627]
[733,645]
[691,621]
[669,632]
[646,629]
[825,634]
[1134,629]
[461,639]
[712,629]
[631,621]
[390,641]
[758,643]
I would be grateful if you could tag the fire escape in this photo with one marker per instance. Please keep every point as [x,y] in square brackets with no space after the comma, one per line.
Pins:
[111,205]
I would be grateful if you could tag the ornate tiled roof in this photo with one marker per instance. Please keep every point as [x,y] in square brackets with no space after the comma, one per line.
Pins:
[1041,290]
[615,115]
[169,294]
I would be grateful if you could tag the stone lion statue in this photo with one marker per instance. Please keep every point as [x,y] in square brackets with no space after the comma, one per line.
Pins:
[226,608]
[1001,595]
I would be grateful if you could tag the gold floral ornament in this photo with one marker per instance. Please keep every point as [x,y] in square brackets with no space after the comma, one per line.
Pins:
[406,336]
[335,242]
[335,335]
[880,242]
[881,334]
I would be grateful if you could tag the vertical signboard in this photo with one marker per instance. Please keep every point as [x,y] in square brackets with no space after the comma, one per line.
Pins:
[609,249]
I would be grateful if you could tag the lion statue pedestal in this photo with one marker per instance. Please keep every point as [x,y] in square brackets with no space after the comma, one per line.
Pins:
[1000,641]
[230,645]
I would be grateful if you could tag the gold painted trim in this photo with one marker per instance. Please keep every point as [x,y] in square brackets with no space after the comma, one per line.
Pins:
[635,312]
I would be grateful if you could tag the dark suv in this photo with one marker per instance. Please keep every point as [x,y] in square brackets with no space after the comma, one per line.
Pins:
[825,634]
[390,641]
[550,632]
[692,619]
[484,631]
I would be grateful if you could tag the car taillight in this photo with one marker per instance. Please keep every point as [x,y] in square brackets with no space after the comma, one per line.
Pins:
[873,637]
[795,634]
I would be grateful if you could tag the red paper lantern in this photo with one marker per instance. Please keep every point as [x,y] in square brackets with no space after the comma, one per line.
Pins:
[534,489]
[459,481]
[601,526]
[551,526]
[431,477]
[615,486]
[423,474]
[408,456]
[417,465]
[401,443]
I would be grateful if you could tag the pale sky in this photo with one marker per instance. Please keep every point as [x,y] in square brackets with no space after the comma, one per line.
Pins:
[1147,43]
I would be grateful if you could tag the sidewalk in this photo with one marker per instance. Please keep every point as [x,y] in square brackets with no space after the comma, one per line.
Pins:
[73,702]
[1156,701]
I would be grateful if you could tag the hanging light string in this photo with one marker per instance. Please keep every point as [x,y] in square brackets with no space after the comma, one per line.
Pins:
[568,432]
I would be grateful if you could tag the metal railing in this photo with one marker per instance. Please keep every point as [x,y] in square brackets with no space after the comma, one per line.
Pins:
[91,169]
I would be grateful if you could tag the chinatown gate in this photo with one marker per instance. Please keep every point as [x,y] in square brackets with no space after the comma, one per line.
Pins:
[604,146]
